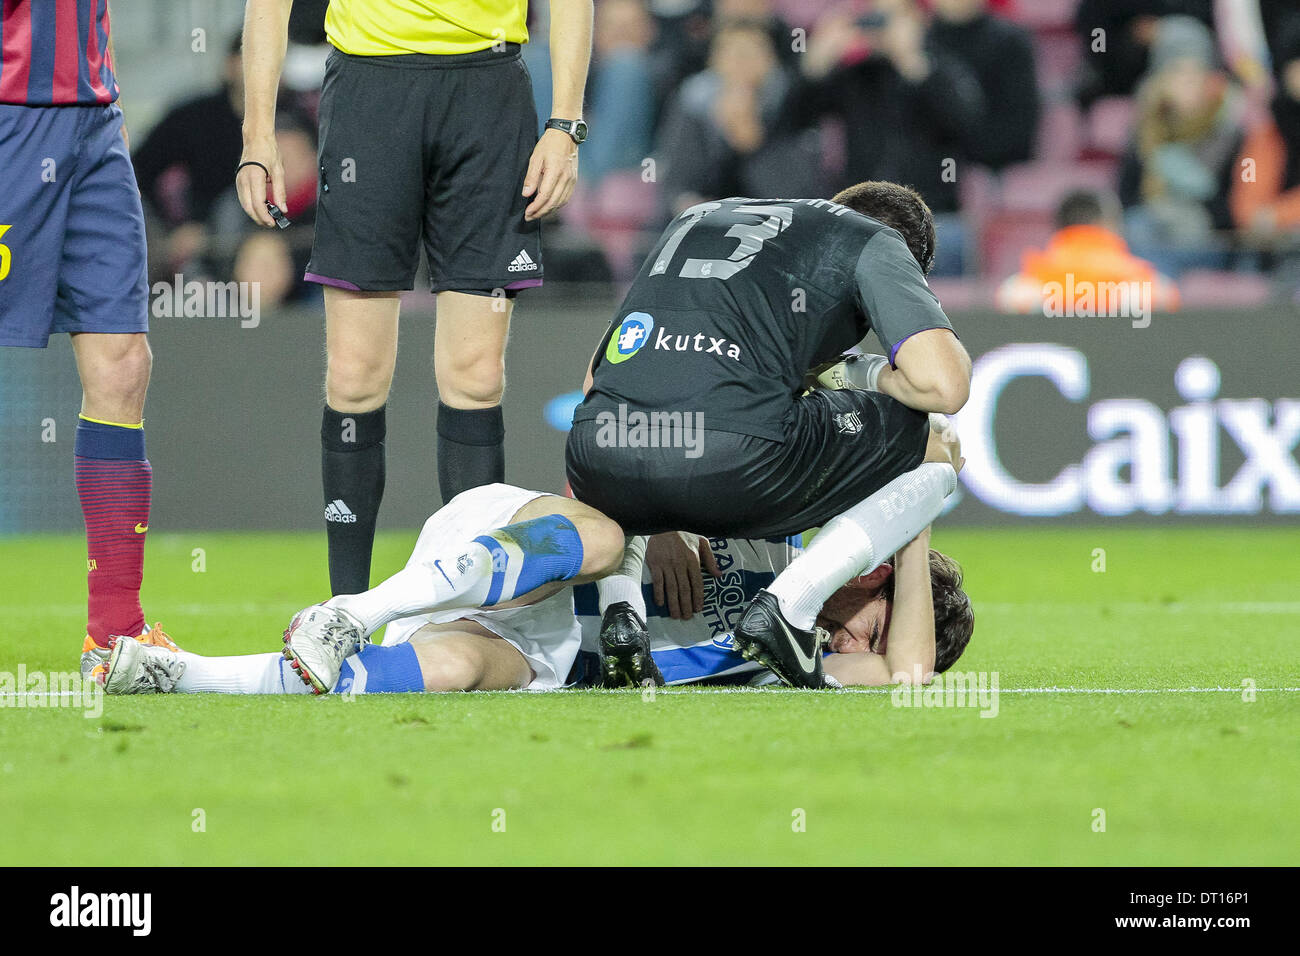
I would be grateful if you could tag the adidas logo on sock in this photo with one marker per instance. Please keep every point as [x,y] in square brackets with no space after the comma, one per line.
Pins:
[336,510]
[522,262]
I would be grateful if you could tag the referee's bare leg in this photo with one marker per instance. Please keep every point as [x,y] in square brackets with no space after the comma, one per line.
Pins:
[361,350]
[469,361]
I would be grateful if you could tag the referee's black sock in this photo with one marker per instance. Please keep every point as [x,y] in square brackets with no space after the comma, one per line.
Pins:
[352,473]
[471,448]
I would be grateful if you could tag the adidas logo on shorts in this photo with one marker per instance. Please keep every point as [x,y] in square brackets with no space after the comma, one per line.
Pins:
[336,510]
[522,262]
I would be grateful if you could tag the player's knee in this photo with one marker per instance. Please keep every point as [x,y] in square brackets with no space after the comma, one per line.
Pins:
[116,377]
[476,380]
[602,546]
[134,365]
[452,668]
[357,382]
[124,360]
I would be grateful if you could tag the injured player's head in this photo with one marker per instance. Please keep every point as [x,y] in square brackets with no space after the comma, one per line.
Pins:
[857,615]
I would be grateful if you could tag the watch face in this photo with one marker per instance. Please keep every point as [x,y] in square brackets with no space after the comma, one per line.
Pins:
[579,131]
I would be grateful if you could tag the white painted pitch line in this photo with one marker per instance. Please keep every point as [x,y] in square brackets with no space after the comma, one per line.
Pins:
[864,690]
[987,689]
[1177,607]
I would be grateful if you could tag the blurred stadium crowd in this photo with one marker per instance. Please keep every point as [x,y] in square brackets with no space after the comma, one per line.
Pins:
[1126,139]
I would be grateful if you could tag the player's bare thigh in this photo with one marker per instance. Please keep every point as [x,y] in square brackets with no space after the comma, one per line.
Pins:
[465,655]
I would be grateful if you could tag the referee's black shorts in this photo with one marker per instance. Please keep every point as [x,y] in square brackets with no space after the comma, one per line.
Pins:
[420,146]
[841,447]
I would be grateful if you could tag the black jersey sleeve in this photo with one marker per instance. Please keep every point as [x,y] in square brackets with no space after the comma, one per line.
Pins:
[892,292]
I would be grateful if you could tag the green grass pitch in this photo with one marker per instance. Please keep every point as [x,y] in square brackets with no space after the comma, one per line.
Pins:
[1166,743]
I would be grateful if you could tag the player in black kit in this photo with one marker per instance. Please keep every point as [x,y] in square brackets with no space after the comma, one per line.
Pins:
[737,302]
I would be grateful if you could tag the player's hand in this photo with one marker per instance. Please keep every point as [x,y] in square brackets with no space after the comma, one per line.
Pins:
[552,174]
[255,187]
[832,375]
[675,560]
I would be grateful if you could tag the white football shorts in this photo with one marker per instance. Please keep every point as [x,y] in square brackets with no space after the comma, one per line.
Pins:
[546,633]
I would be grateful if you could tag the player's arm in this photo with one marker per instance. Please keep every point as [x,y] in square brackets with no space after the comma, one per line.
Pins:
[928,361]
[266,36]
[909,652]
[553,169]
[926,368]
[931,374]
[858,669]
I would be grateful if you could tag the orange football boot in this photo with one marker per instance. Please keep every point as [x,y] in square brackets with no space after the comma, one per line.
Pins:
[94,659]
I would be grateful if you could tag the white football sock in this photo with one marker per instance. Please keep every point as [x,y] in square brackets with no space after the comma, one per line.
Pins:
[243,674]
[459,578]
[625,583]
[860,539]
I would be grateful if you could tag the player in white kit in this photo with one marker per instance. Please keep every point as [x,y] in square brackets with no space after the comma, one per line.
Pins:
[860,618]
[899,621]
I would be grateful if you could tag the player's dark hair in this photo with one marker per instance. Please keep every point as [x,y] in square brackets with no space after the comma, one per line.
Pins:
[954,618]
[1082,207]
[898,207]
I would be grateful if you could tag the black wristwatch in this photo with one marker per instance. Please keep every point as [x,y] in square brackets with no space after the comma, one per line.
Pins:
[576,129]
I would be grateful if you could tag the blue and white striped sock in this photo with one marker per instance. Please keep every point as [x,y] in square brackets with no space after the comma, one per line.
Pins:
[494,568]
[381,669]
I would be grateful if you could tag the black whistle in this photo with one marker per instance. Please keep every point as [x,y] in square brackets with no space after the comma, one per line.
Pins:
[281,220]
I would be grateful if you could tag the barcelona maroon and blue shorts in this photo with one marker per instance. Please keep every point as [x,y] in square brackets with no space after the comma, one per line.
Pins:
[72,243]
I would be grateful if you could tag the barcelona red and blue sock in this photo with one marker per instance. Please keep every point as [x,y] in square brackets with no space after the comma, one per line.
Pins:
[114,483]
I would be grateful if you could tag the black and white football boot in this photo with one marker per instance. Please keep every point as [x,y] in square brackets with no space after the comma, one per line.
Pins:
[793,654]
[625,658]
